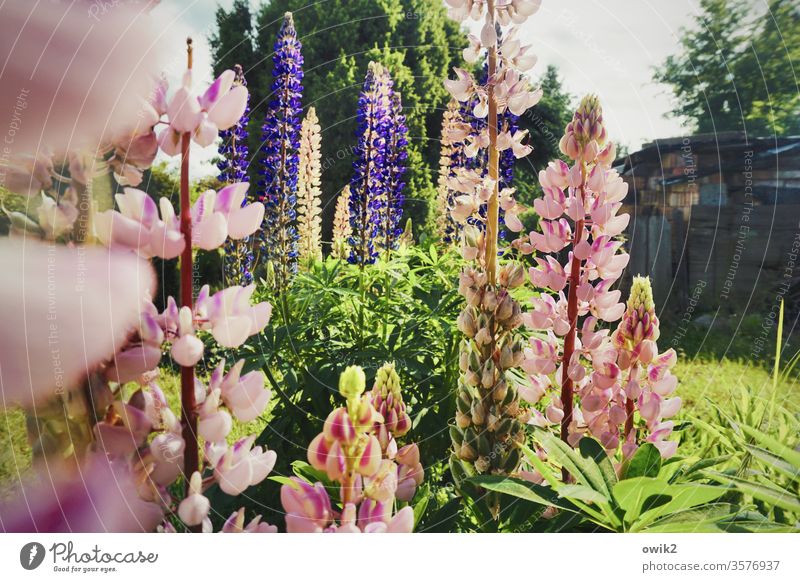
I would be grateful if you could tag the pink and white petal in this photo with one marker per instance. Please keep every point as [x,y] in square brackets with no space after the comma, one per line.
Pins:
[184,111]
[169,141]
[229,108]
[217,89]
[402,522]
[130,364]
[166,242]
[187,350]
[231,197]
[243,222]
[232,331]
[206,132]
[210,233]
[260,316]
[215,427]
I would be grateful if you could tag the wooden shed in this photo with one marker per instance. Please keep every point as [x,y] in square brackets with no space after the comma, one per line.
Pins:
[715,219]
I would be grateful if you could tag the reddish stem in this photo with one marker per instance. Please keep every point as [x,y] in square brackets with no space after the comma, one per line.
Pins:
[628,417]
[188,404]
[572,316]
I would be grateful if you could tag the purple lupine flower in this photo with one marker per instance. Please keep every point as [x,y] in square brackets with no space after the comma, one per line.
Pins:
[395,167]
[368,185]
[233,168]
[281,144]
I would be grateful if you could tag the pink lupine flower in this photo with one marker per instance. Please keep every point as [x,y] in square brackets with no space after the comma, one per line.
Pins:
[142,354]
[213,423]
[100,496]
[222,105]
[550,274]
[410,472]
[194,508]
[137,225]
[579,207]
[229,316]
[187,349]
[308,507]
[124,429]
[215,217]
[166,450]
[30,174]
[551,205]
[540,358]
[555,235]
[57,218]
[245,396]
[649,380]
[91,294]
[462,87]
[242,466]
[235,524]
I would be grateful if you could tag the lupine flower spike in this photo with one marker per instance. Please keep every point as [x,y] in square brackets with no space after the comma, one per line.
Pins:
[579,212]
[647,381]
[489,420]
[342,229]
[350,452]
[368,185]
[309,220]
[281,144]
[450,159]
[395,160]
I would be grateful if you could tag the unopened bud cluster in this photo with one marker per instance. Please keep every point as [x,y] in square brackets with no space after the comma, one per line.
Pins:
[489,421]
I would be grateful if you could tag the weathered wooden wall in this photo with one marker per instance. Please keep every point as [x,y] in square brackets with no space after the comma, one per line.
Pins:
[735,255]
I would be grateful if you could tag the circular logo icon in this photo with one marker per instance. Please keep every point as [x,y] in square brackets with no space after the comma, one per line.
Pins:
[31,555]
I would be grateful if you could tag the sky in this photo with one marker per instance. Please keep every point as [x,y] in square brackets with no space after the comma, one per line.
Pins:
[607,47]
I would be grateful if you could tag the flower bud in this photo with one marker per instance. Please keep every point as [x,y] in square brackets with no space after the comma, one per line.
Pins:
[352,382]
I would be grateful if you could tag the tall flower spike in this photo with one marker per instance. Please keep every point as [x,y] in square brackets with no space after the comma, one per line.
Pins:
[489,424]
[451,157]
[396,158]
[309,220]
[341,225]
[233,168]
[281,144]
[646,377]
[368,186]
[579,213]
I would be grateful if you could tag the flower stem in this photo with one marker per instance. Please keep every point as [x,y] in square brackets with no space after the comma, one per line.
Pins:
[572,316]
[188,404]
[493,207]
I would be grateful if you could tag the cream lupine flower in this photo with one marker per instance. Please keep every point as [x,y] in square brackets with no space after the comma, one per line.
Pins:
[309,220]
[451,157]
[341,225]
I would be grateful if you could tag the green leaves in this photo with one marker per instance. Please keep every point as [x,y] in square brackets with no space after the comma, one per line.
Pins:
[641,501]
[646,462]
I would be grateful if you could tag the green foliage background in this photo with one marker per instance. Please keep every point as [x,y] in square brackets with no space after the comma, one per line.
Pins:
[417,42]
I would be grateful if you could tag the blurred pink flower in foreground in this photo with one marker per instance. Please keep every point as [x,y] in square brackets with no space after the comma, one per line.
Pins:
[100,497]
[74,75]
[64,311]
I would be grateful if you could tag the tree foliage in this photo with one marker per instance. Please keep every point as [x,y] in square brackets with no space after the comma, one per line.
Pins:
[736,70]
[414,38]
